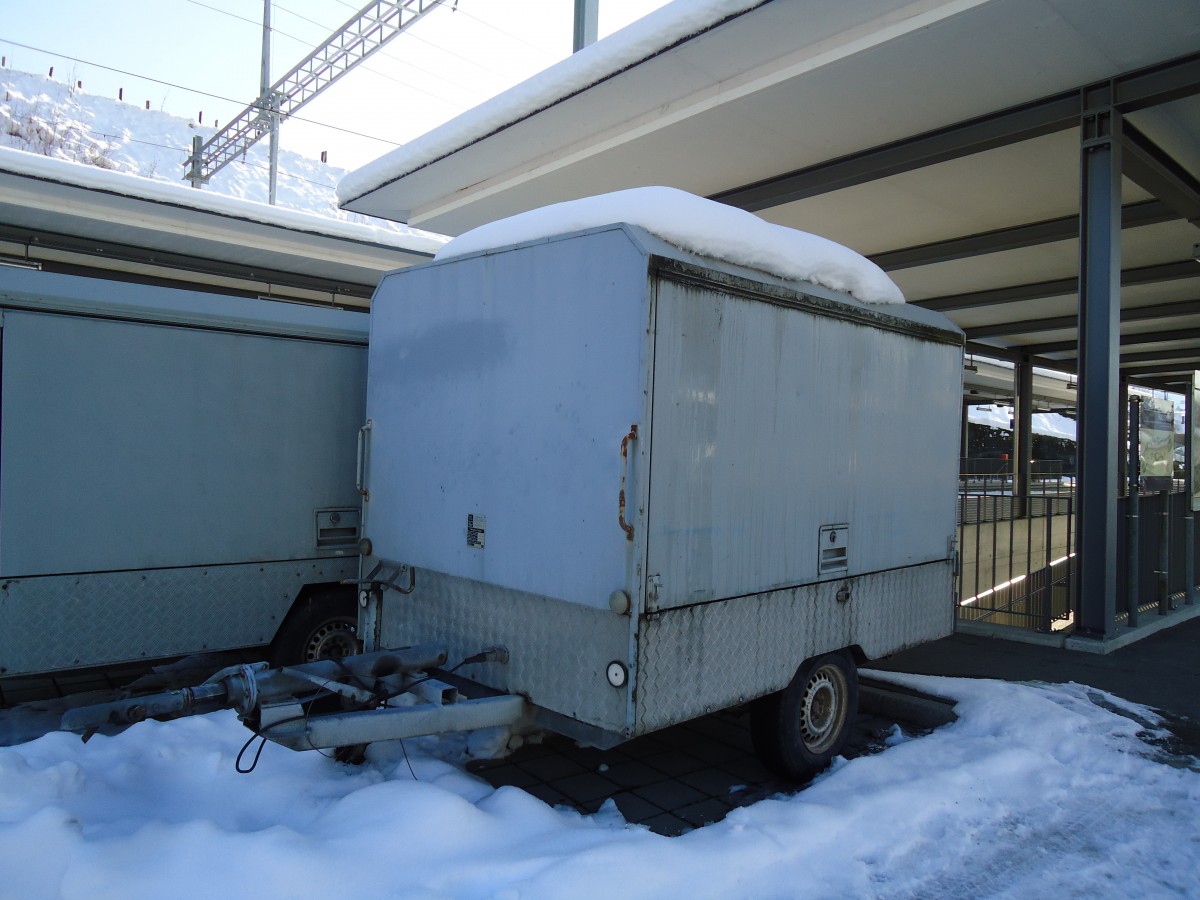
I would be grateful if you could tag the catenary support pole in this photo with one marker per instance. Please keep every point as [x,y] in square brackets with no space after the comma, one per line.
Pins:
[269,101]
[587,15]
[1099,330]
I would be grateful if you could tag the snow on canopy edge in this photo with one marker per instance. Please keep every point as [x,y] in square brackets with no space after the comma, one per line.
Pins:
[700,226]
[637,42]
[389,234]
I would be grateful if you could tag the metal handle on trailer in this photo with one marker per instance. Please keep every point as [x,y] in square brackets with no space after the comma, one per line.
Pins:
[625,526]
[361,461]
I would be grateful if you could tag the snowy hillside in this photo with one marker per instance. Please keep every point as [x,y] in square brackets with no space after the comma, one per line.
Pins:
[58,119]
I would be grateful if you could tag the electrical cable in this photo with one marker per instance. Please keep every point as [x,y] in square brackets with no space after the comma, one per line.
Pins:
[416,37]
[498,30]
[308,47]
[86,62]
[392,56]
[379,699]
[200,93]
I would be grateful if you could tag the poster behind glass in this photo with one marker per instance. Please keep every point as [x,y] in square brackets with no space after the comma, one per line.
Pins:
[1156,439]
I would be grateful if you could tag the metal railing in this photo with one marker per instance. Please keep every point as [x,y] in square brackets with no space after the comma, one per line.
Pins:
[1016,552]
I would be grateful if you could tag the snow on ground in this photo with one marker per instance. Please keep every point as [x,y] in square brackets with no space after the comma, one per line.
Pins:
[1036,791]
[699,226]
[125,148]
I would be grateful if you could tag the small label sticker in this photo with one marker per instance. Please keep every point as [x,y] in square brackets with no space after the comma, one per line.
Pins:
[476,530]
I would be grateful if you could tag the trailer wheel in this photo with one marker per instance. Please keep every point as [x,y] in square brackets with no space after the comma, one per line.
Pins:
[798,731]
[323,625]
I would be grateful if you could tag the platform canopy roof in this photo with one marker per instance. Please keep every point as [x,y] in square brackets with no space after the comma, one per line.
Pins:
[939,137]
[79,219]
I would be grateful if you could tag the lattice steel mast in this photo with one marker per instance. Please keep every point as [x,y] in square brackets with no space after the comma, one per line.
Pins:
[369,29]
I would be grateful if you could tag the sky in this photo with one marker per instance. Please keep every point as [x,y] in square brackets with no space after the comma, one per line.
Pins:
[205,59]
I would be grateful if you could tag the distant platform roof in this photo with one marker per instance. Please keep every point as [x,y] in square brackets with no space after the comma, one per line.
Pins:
[76,218]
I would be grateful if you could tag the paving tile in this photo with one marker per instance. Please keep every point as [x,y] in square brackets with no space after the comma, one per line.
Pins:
[589,757]
[714,782]
[748,769]
[501,775]
[679,737]
[547,745]
[715,752]
[585,787]
[733,731]
[548,795]
[636,809]
[632,773]
[641,747]
[668,825]
[704,812]
[670,794]
[551,767]
[674,763]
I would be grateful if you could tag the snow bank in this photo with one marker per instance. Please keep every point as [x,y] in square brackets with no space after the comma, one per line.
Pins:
[1036,790]
[620,50]
[699,226]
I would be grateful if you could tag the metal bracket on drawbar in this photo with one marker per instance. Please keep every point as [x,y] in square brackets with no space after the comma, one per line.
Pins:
[387,575]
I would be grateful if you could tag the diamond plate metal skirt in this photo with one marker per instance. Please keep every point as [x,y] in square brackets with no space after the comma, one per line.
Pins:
[698,659]
[56,622]
[683,662]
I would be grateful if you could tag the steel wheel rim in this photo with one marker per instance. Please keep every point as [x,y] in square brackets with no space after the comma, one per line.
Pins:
[823,708]
[333,640]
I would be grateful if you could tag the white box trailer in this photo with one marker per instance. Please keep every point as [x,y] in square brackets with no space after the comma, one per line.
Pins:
[665,484]
[176,473]
[623,485]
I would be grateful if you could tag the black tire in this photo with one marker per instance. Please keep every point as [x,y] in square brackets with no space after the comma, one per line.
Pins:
[322,625]
[798,731]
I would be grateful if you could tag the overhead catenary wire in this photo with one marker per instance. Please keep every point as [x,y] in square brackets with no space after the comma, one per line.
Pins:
[308,46]
[197,91]
[412,36]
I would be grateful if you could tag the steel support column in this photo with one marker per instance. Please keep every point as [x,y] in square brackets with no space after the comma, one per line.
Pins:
[1023,436]
[1189,486]
[1099,328]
